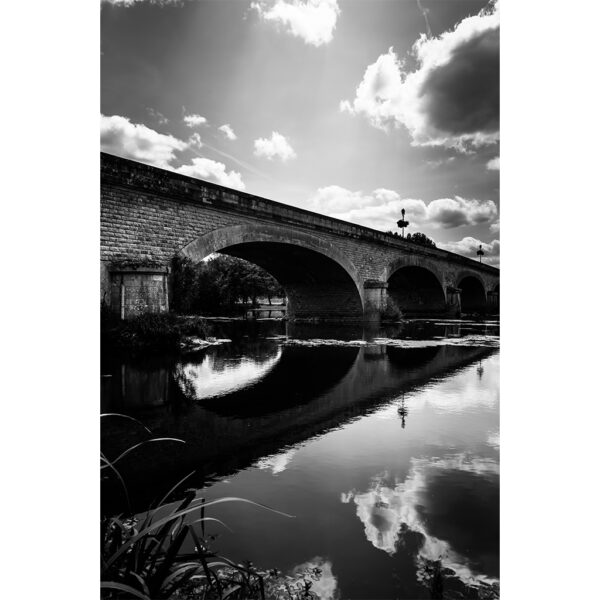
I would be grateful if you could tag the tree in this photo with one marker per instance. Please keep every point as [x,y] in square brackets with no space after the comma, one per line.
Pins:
[215,286]
[420,238]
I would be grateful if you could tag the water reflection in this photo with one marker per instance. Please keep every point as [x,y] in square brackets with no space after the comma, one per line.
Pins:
[386,453]
[325,586]
[276,463]
[408,514]
[216,375]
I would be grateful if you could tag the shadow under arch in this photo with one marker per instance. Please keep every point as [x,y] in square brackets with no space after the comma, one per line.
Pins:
[318,279]
[473,296]
[416,288]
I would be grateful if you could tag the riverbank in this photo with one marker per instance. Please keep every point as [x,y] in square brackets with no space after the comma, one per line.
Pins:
[154,333]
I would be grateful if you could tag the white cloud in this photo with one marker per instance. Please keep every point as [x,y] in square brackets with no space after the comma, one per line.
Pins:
[195,141]
[205,168]
[311,20]
[194,120]
[276,147]
[157,115]
[228,131]
[495,227]
[468,246]
[118,135]
[393,510]
[451,99]
[381,209]
[494,164]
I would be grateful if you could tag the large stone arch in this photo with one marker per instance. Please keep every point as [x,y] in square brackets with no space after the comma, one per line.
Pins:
[415,286]
[320,281]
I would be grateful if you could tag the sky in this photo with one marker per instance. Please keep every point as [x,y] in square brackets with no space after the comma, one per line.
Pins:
[350,108]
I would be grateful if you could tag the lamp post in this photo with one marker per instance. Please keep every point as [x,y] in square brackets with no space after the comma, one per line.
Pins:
[480,252]
[402,223]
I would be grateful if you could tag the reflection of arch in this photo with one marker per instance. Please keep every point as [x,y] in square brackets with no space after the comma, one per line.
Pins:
[318,279]
[416,289]
[472,297]
[289,373]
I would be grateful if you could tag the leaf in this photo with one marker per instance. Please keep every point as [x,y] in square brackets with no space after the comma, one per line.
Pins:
[230,590]
[178,514]
[113,585]
[132,448]
[164,499]
[125,417]
[120,478]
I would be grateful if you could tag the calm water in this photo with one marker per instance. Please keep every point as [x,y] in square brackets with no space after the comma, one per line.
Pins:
[383,444]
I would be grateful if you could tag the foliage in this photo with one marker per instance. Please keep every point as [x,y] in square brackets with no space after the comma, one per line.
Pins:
[149,331]
[215,286]
[421,239]
[144,557]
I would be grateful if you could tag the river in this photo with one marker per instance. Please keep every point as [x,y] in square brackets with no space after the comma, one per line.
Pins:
[382,443]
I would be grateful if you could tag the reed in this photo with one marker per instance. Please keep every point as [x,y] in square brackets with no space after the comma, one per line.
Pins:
[142,556]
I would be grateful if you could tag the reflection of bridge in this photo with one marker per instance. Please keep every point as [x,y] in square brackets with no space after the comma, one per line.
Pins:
[227,433]
[329,268]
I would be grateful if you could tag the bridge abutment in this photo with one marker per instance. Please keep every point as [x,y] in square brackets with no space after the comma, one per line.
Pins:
[133,290]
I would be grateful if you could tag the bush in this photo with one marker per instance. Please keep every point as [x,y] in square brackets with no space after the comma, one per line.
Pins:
[149,331]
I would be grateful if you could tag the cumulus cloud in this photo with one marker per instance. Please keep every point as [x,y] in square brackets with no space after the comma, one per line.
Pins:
[494,164]
[275,147]
[451,99]
[118,135]
[205,168]
[228,131]
[194,120]
[381,209]
[311,20]
[468,246]
[495,227]
[195,141]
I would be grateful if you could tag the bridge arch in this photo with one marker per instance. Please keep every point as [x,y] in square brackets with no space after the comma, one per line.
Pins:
[415,287]
[473,295]
[318,279]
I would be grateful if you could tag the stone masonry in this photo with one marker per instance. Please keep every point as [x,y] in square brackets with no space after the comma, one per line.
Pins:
[329,268]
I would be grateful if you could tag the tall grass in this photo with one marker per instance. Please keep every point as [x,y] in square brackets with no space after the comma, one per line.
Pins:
[143,557]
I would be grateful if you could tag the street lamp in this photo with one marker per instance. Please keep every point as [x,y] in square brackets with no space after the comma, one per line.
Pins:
[480,252]
[402,223]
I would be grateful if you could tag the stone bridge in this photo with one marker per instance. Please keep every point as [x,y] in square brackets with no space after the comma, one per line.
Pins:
[330,269]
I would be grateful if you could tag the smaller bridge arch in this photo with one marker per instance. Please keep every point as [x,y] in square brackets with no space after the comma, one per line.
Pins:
[319,281]
[473,295]
[415,287]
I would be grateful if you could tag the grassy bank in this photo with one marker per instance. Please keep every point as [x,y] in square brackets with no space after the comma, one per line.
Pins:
[149,332]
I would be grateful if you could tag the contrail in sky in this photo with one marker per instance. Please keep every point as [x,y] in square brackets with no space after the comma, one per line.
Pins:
[424,12]
[242,163]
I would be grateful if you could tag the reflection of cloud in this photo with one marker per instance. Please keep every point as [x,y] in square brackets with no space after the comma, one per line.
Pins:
[213,377]
[494,439]
[392,514]
[276,462]
[326,585]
